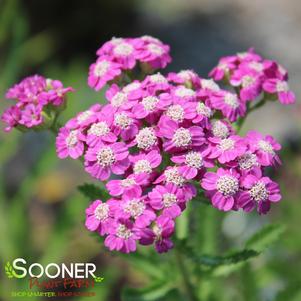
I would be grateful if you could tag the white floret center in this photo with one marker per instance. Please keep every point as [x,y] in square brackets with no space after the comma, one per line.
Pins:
[258,192]
[146,138]
[227,185]
[182,137]
[105,157]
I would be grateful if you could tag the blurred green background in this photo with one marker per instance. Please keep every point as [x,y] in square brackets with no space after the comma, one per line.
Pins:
[41,211]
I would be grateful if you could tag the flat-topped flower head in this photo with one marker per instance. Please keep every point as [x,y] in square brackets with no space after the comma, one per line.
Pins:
[123,54]
[222,188]
[37,102]
[259,192]
[103,159]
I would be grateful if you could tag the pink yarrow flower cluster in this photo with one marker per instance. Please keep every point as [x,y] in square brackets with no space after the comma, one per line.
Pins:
[154,143]
[254,75]
[37,100]
[121,55]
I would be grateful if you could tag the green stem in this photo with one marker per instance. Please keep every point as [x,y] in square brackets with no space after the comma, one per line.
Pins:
[187,285]
[241,121]
[55,126]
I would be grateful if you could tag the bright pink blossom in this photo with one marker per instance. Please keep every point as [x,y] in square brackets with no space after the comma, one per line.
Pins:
[69,143]
[104,159]
[222,187]
[265,147]
[281,88]
[159,233]
[259,192]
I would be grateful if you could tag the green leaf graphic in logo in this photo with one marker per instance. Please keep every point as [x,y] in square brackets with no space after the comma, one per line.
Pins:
[98,279]
[9,270]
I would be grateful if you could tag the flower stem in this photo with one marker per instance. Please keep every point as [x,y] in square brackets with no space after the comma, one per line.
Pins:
[187,285]
[55,127]
[241,121]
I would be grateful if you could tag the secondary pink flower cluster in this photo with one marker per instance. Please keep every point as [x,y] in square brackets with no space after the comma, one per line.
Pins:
[36,98]
[254,75]
[156,142]
[121,55]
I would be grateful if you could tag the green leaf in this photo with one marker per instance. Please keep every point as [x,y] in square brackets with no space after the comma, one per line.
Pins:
[226,270]
[182,226]
[292,292]
[9,270]
[145,265]
[91,191]
[154,292]
[265,237]
[236,257]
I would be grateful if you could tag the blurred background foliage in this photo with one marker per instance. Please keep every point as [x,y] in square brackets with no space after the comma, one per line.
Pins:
[41,211]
